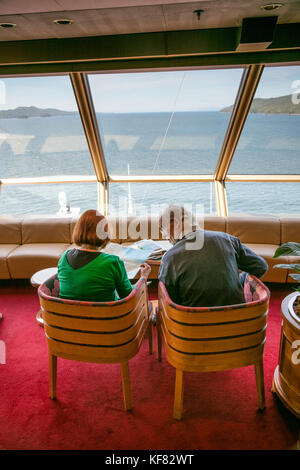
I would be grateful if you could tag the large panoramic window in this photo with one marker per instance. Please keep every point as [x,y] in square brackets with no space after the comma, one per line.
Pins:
[263,198]
[150,198]
[163,122]
[40,129]
[270,141]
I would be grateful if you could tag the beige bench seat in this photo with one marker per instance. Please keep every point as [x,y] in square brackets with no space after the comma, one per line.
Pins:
[263,236]
[266,251]
[42,240]
[27,259]
[10,239]
[5,250]
[30,244]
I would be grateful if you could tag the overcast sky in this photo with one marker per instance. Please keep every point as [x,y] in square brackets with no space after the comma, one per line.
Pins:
[152,91]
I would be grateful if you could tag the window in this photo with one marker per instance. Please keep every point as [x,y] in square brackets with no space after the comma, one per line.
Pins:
[149,198]
[45,199]
[263,198]
[270,140]
[40,129]
[163,122]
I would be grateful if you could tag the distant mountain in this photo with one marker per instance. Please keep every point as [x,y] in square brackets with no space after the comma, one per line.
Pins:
[32,111]
[279,105]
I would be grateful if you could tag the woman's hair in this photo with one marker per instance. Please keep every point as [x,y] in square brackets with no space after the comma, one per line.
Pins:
[91,229]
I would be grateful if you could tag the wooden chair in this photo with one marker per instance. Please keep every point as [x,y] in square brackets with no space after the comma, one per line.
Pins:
[98,332]
[217,338]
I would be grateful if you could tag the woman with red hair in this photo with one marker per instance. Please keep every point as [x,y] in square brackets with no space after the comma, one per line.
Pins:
[86,273]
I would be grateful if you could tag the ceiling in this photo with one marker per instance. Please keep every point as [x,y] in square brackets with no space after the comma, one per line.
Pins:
[34,18]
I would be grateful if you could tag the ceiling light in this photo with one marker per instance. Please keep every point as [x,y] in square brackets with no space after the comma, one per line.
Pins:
[7,25]
[271,6]
[62,21]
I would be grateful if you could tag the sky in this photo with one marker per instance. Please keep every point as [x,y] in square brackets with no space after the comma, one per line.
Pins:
[191,90]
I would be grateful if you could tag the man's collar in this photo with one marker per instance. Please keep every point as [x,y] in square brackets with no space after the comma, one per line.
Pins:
[190,235]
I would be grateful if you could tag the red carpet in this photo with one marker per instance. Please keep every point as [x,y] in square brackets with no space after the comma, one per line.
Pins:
[220,409]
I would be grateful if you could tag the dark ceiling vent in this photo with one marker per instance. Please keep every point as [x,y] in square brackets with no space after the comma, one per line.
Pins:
[256,34]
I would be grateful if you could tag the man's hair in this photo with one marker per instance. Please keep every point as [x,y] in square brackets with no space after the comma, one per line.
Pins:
[181,214]
[86,230]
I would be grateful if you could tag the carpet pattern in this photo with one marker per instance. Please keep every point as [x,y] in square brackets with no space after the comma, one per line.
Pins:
[220,408]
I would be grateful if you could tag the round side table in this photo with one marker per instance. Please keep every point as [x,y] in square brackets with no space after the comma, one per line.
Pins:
[286,381]
[36,280]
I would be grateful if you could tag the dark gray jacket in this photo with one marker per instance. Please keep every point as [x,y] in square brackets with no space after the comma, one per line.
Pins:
[208,276]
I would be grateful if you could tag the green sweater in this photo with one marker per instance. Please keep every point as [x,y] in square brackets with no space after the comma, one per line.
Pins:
[97,281]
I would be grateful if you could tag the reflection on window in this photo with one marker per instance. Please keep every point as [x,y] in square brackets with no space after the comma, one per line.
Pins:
[40,129]
[48,199]
[263,198]
[163,122]
[150,198]
[270,140]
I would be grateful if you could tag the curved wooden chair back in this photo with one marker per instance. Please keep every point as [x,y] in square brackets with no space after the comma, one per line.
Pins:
[98,332]
[201,339]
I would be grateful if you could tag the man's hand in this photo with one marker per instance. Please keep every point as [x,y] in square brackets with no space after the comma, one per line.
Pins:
[145,270]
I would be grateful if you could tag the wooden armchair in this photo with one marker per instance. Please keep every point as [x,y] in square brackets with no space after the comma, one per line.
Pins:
[100,332]
[217,338]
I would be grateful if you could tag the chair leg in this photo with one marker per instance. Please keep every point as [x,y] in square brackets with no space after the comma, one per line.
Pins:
[178,397]
[158,333]
[52,375]
[126,385]
[150,336]
[260,385]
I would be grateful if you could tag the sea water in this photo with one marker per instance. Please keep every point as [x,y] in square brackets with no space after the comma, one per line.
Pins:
[149,144]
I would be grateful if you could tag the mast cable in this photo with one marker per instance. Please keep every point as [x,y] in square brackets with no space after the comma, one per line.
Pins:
[165,134]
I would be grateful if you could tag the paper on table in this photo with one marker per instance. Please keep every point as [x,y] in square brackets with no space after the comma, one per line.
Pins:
[157,245]
[132,257]
[164,244]
[159,248]
[147,245]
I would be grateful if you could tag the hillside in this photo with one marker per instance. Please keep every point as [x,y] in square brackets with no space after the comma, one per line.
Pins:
[31,111]
[279,105]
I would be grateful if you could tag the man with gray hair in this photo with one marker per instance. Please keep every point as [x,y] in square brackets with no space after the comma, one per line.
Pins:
[202,267]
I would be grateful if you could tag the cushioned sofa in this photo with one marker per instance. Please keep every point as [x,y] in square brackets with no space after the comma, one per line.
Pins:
[30,244]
